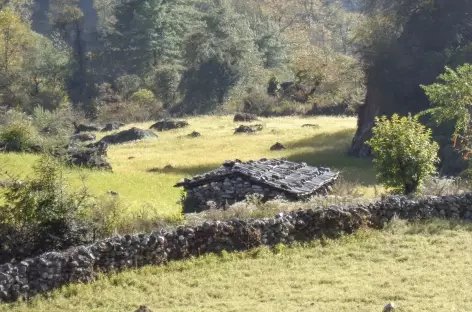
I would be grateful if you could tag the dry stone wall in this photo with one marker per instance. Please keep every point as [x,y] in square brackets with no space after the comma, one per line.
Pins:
[54,269]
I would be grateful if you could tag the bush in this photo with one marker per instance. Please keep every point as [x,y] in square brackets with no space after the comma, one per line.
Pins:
[128,84]
[41,214]
[129,112]
[17,134]
[143,97]
[404,154]
[57,123]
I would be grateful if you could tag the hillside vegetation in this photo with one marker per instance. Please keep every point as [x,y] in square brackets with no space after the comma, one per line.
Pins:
[418,267]
[146,189]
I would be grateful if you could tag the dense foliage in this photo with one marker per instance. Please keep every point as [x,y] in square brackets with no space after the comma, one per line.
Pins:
[452,101]
[404,154]
[197,56]
[404,44]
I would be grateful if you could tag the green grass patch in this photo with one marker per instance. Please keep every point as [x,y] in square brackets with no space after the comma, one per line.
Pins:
[146,189]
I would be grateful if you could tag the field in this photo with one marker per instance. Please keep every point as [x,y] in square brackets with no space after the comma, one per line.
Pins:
[418,267]
[421,267]
[147,190]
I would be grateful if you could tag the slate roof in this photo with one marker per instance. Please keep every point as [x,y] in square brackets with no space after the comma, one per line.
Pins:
[294,178]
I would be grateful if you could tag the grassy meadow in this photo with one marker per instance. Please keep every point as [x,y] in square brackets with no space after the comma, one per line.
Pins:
[418,267]
[145,189]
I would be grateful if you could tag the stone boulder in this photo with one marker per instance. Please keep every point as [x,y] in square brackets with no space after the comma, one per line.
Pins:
[83,137]
[164,125]
[248,129]
[242,117]
[90,156]
[133,134]
[277,147]
[314,126]
[194,134]
[143,308]
[100,146]
[86,127]
[112,126]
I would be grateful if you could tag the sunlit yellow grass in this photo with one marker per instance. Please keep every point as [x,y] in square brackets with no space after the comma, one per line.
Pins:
[153,192]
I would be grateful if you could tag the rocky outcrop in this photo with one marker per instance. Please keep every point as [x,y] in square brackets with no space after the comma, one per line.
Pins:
[86,127]
[164,125]
[194,134]
[112,126]
[314,126]
[89,156]
[51,270]
[248,129]
[277,147]
[83,137]
[130,135]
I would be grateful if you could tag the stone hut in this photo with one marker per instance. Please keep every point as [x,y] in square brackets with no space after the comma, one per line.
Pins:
[270,178]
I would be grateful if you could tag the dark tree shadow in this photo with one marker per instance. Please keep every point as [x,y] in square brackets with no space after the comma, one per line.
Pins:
[327,150]
[330,150]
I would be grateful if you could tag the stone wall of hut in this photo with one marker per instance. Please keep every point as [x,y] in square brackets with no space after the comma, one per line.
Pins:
[221,194]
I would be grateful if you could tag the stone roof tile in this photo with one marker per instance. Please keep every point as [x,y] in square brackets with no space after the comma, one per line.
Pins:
[291,177]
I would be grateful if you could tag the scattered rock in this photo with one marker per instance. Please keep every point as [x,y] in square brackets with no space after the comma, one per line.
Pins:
[389,307]
[131,157]
[143,308]
[314,126]
[242,117]
[101,147]
[194,134]
[164,125]
[159,170]
[112,193]
[85,127]
[83,137]
[90,156]
[277,147]
[112,126]
[133,134]
[248,129]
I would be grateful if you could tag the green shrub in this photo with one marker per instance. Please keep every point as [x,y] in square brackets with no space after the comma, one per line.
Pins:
[128,84]
[56,125]
[404,154]
[143,97]
[43,198]
[42,214]
[16,138]
[17,133]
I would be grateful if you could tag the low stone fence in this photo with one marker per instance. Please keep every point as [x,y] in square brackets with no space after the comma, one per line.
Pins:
[54,269]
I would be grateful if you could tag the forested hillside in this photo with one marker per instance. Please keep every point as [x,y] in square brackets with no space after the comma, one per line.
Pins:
[141,60]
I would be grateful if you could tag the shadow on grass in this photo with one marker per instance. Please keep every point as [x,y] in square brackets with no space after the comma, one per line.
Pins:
[189,171]
[330,150]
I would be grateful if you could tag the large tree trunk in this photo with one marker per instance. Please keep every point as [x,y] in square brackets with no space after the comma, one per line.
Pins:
[377,102]
[417,57]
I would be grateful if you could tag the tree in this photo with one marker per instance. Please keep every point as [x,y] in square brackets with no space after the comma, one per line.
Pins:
[403,44]
[404,154]
[150,33]
[218,56]
[452,101]
[16,40]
